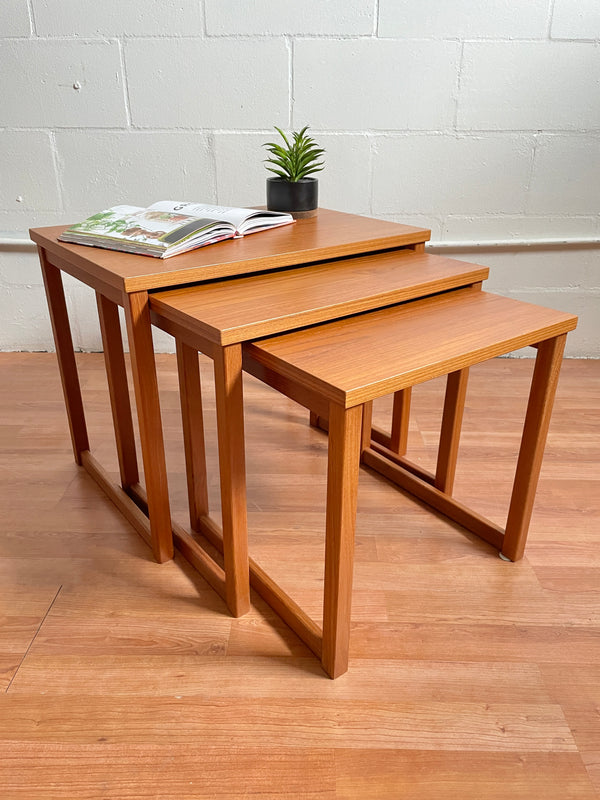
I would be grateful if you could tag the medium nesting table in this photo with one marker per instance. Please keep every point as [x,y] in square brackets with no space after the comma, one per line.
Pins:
[125,280]
[217,319]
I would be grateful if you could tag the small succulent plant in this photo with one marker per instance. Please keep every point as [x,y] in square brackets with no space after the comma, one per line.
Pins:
[298,159]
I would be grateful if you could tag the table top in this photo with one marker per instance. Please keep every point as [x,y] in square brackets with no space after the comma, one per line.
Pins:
[353,360]
[239,309]
[328,235]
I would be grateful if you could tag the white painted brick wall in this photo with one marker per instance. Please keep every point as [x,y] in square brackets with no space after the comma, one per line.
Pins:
[358,84]
[61,84]
[478,120]
[419,174]
[463,19]
[471,227]
[530,86]
[35,189]
[207,83]
[580,20]
[527,273]
[566,174]
[118,18]
[102,168]
[272,17]
[14,18]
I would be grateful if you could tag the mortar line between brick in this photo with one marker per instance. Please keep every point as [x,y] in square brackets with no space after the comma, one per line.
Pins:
[372,146]
[57,169]
[212,149]
[205,33]
[534,155]
[459,77]
[549,20]
[32,25]
[125,88]
[291,77]
[35,635]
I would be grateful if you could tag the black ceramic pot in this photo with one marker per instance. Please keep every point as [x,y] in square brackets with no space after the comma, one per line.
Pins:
[299,198]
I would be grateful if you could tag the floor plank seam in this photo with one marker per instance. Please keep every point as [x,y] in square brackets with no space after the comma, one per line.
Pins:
[35,635]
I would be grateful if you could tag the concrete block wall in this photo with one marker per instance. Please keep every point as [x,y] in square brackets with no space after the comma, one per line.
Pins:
[478,120]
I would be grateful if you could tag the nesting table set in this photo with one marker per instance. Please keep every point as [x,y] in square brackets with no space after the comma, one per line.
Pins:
[332,311]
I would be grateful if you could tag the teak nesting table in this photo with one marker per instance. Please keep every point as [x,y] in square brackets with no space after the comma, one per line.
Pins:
[125,280]
[277,305]
[217,318]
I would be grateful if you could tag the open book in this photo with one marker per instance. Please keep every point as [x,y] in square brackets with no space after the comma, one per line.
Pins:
[168,228]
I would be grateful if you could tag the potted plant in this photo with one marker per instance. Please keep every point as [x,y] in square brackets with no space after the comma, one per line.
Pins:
[293,162]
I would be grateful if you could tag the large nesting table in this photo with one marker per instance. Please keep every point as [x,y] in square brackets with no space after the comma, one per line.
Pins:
[125,280]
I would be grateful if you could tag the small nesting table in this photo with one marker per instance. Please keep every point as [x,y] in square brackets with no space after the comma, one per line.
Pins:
[340,367]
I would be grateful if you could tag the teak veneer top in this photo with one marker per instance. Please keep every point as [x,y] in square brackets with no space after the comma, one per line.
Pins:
[353,360]
[241,309]
[329,235]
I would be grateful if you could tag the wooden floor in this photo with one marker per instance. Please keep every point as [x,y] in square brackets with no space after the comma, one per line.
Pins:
[469,677]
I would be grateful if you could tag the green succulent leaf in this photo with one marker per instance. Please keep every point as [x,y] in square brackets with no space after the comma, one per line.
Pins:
[278,172]
[283,136]
[300,156]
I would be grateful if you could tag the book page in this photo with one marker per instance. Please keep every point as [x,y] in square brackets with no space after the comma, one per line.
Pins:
[235,216]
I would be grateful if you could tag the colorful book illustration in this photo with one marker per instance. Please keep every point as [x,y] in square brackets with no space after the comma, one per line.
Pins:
[168,228]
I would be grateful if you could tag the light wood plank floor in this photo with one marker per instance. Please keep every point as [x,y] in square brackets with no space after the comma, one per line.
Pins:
[469,677]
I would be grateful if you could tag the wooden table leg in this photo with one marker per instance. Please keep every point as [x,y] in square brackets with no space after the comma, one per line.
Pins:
[137,315]
[116,373]
[367,426]
[400,420]
[63,341]
[232,467]
[454,405]
[533,442]
[190,394]
[342,486]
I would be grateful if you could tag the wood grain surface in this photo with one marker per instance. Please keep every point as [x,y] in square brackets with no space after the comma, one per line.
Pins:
[329,235]
[469,677]
[248,308]
[357,359]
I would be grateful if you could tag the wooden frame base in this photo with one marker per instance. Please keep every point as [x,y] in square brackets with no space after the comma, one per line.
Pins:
[417,482]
